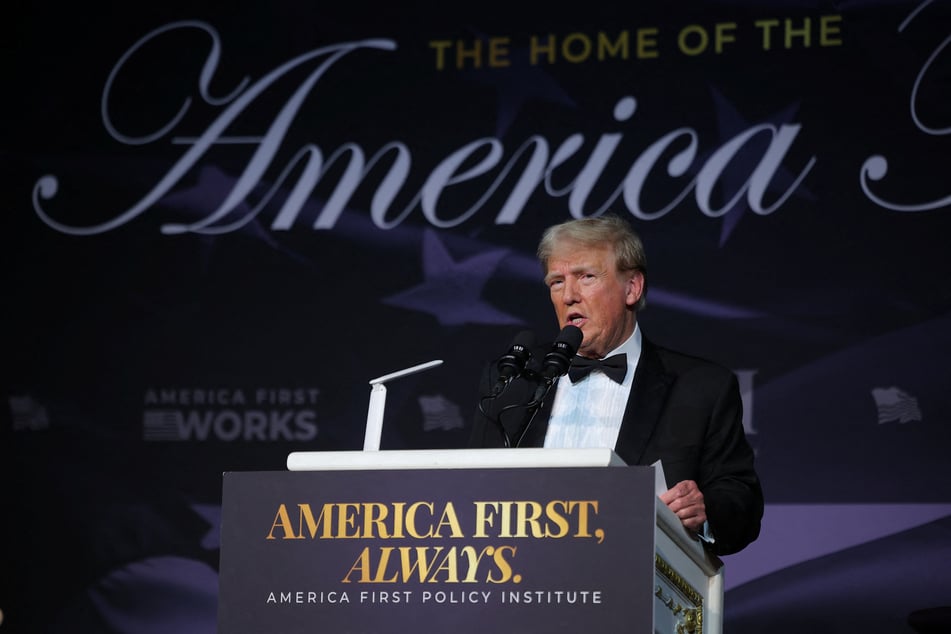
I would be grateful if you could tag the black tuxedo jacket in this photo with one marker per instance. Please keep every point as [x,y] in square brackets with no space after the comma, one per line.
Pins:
[682,410]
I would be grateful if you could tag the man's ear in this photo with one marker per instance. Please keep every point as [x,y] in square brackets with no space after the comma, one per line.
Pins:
[635,288]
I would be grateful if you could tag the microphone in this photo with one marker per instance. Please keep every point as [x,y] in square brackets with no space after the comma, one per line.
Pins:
[558,360]
[554,365]
[512,363]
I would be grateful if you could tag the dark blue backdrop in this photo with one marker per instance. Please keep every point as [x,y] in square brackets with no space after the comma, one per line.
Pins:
[221,222]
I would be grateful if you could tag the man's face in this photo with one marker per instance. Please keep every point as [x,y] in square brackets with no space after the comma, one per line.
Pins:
[587,291]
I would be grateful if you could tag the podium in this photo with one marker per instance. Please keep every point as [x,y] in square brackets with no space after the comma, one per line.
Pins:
[462,541]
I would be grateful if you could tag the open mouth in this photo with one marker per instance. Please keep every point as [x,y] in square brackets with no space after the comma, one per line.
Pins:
[575,319]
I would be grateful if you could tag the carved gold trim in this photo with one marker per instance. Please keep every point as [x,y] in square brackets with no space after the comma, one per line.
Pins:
[693,618]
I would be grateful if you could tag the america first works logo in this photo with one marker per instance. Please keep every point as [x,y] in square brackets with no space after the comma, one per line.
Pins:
[230,414]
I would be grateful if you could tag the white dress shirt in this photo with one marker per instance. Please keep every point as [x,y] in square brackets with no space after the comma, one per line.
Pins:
[588,413]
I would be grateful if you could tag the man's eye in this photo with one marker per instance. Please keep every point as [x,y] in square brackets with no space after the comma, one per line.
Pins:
[555,284]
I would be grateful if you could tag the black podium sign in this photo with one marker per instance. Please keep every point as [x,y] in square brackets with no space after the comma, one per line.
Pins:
[444,550]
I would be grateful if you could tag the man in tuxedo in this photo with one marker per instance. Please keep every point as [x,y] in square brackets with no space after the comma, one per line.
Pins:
[646,402]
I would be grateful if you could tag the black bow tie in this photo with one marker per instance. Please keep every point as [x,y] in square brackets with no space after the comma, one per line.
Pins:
[614,366]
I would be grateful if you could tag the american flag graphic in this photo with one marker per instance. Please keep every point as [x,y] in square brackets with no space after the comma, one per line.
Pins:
[439,413]
[895,404]
[161,425]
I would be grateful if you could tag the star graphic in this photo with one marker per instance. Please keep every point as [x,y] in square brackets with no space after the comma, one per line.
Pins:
[729,124]
[451,291]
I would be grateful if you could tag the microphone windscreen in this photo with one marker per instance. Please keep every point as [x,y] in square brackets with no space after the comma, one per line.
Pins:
[524,339]
[571,336]
[512,363]
[563,349]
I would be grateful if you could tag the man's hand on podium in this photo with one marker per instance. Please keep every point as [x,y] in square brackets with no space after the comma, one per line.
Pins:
[686,501]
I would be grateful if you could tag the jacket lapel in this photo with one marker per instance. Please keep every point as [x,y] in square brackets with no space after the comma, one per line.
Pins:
[644,406]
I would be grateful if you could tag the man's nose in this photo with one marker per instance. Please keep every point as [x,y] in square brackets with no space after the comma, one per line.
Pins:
[570,296]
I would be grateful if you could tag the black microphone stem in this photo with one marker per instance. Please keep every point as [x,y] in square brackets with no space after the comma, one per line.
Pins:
[506,441]
[535,405]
